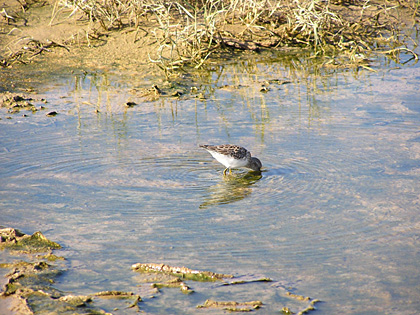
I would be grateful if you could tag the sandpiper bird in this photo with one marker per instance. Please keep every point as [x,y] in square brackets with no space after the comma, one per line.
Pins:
[233,156]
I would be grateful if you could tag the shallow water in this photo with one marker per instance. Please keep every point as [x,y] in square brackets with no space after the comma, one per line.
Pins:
[334,214]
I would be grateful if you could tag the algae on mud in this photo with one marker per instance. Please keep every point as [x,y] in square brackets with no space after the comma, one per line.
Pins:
[175,275]
[182,272]
[174,283]
[29,285]
[232,306]
[17,241]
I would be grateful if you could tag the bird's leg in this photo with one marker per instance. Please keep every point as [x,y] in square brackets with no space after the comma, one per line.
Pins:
[230,171]
[224,172]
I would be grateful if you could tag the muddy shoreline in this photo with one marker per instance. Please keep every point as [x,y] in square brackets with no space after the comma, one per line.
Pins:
[46,37]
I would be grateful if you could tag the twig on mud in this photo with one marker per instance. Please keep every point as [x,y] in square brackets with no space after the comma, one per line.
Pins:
[13,29]
[40,47]
[236,43]
[7,16]
[33,46]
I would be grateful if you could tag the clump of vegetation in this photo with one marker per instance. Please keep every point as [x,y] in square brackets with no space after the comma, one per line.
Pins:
[13,239]
[174,283]
[232,306]
[188,32]
[182,272]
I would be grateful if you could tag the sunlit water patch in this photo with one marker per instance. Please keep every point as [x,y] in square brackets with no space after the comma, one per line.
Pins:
[333,214]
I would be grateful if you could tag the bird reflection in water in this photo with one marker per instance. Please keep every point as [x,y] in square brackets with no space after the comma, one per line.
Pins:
[231,189]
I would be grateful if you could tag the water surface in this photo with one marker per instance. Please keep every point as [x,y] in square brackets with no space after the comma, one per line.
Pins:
[334,214]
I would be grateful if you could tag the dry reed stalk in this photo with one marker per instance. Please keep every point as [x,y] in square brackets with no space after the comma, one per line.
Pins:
[187,32]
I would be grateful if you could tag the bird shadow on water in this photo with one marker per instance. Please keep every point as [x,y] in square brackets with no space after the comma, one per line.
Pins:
[230,188]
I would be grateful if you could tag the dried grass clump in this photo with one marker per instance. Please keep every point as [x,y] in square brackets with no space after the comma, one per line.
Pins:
[187,32]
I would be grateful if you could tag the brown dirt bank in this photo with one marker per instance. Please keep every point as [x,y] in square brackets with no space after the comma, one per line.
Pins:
[51,34]
[33,45]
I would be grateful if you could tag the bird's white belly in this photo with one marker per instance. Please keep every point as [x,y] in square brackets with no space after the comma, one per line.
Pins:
[229,161]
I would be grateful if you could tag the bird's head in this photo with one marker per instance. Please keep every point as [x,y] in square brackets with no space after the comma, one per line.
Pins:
[255,164]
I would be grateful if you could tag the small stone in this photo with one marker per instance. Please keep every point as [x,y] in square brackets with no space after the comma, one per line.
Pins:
[130,104]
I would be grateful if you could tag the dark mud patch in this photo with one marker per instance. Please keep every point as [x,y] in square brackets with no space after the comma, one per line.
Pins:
[16,103]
